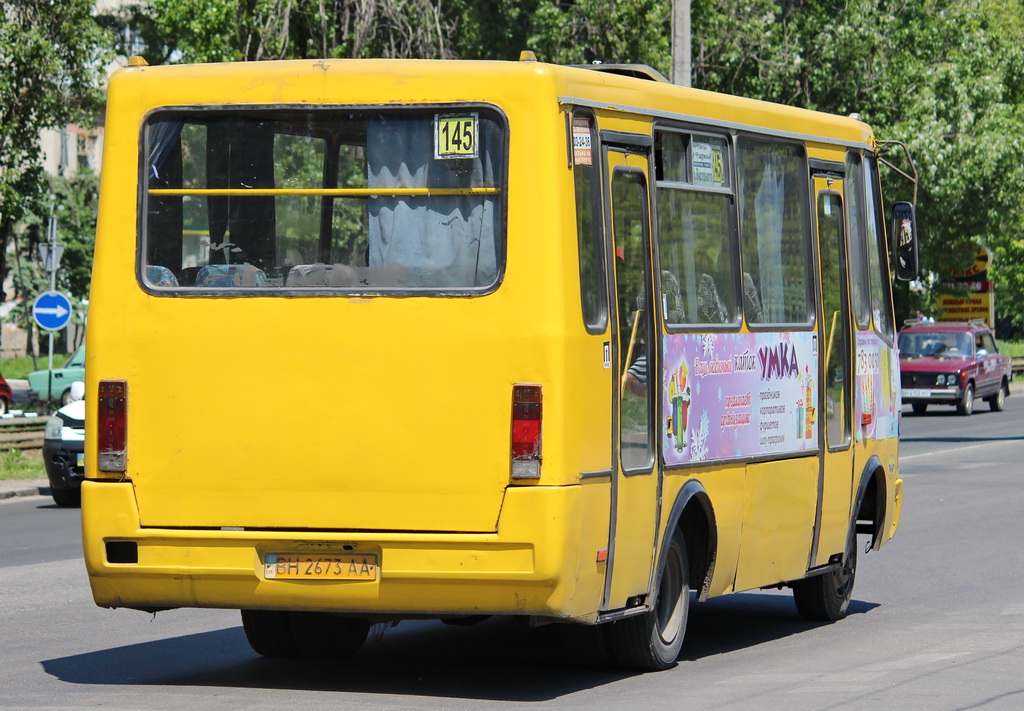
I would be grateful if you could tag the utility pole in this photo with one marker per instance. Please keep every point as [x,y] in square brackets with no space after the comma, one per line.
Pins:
[681,69]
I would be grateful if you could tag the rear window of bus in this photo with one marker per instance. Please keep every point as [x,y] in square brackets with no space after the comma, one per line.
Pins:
[315,200]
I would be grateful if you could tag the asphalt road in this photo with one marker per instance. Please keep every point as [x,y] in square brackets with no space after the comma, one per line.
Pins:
[937,623]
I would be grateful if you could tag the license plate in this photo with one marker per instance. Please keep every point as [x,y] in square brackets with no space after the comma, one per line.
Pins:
[298,566]
[916,392]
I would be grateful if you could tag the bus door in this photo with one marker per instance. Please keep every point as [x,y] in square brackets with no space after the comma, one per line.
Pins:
[836,391]
[635,484]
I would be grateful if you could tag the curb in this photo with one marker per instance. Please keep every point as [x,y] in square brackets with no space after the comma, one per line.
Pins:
[26,490]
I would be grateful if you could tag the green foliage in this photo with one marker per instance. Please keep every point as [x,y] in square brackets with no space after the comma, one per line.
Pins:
[607,31]
[51,56]
[233,30]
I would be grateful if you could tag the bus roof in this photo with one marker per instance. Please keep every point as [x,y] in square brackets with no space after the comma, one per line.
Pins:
[425,80]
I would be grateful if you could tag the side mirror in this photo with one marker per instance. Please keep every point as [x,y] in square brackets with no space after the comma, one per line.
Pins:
[904,230]
[77,391]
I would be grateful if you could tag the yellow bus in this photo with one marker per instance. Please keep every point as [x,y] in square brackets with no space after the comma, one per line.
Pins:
[385,339]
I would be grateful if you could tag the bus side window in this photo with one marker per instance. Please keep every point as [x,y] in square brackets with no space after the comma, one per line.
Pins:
[697,233]
[775,230]
[593,290]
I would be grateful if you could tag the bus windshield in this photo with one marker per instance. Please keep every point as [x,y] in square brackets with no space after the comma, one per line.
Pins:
[302,199]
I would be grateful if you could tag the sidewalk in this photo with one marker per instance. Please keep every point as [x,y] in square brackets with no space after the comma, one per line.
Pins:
[9,488]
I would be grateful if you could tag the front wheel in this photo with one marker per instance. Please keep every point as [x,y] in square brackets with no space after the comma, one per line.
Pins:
[966,405]
[651,641]
[825,598]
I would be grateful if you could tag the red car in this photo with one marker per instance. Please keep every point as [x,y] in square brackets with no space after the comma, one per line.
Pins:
[6,396]
[952,363]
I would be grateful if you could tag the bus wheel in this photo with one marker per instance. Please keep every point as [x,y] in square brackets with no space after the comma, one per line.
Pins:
[966,404]
[825,598]
[651,642]
[269,633]
[321,634]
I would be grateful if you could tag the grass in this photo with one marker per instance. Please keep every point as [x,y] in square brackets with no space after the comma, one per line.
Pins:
[1014,349]
[19,368]
[18,464]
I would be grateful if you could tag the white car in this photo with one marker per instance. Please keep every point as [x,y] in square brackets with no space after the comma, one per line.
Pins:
[64,449]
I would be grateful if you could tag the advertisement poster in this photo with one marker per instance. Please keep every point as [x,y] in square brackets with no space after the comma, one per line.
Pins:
[730,395]
[878,389]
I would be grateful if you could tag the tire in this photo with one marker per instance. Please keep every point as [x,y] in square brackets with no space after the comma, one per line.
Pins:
[997,403]
[67,498]
[323,635]
[65,397]
[651,641]
[4,405]
[825,598]
[966,405]
[270,633]
[919,407]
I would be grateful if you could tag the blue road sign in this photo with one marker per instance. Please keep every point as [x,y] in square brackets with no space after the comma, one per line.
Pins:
[52,310]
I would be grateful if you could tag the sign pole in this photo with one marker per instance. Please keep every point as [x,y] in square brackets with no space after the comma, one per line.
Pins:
[53,284]
[51,310]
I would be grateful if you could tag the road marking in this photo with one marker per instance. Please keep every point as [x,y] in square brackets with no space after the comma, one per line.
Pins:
[904,458]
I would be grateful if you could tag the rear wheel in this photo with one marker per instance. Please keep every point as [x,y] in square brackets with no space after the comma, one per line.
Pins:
[997,403]
[919,407]
[966,405]
[269,633]
[651,642]
[273,633]
[320,634]
[825,598]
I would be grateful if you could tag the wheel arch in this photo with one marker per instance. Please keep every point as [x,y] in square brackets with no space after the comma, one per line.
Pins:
[694,515]
[870,505]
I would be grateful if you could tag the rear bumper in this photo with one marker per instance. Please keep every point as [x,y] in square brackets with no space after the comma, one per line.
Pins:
[60,459]
[521,569]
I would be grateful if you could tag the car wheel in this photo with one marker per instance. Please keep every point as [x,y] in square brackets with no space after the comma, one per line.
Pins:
[997,403]
[966,405]
[67,498]
[4,405]
[825,598]
[919,407]
[651,641]
[65,398]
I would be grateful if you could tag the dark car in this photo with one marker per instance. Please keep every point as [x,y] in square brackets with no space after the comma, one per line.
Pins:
[64,451]
[952,363]
[6,396]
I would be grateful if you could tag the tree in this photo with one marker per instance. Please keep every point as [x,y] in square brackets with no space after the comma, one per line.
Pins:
[253,30]
[944,76]
[51,59]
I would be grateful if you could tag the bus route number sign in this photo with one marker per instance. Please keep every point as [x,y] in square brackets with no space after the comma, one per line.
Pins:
[455,136]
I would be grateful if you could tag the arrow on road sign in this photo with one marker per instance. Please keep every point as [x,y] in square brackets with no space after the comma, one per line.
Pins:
[57,310]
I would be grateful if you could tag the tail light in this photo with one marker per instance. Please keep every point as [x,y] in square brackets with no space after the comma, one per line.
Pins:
[112,426]
[527,403]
